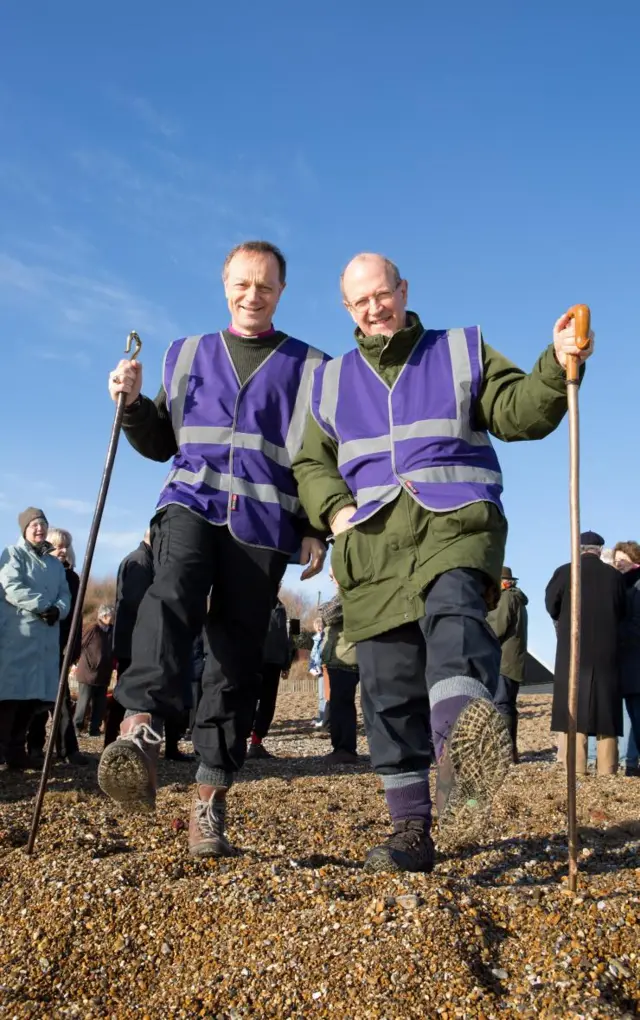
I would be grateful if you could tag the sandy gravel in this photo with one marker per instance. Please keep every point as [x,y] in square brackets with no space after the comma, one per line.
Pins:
[111,918]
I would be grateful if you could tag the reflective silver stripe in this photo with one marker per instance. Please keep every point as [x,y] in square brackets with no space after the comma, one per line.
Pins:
[377,494]
[362,448]
[224,483]
[251,441]
[461,367]
[295,432]
[220,435]
[454,473]
[180,380]
[448,428]
[330,388]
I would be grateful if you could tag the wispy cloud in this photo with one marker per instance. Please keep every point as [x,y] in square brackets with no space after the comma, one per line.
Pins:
[78,304]
[75,506]
[119,541]
[145,111]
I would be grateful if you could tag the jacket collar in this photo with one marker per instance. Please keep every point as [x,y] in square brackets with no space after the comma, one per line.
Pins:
[391,350]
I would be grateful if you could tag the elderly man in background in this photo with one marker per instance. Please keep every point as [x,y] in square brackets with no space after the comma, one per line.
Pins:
[397,461]
[231,413]
[603,606]
[509,623]
[34,597]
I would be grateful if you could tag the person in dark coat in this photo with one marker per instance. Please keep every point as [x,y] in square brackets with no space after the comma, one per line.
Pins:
[599,699]
[61,542]
[135,575]
[626,557]
[276,662]
[509,622]
[94,671]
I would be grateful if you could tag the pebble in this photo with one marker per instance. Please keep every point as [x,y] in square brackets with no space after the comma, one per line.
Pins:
[293,927]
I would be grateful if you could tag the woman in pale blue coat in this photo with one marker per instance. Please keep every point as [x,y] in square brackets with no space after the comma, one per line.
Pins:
[34,596]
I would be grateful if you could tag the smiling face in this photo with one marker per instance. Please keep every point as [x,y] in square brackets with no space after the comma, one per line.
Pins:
[252,287]
[60,552]
[36,532]
[374,295]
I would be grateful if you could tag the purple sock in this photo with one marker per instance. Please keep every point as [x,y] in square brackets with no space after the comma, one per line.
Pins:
[443,715]
[409,801]
[447,698]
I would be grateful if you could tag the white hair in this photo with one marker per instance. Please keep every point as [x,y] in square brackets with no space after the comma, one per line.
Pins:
[57,537]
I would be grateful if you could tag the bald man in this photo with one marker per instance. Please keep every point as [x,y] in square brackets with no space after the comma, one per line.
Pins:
[397,462]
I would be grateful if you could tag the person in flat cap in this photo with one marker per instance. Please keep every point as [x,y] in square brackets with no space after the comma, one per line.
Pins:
[599,694]
[591,539]
[34,596]
[509,622]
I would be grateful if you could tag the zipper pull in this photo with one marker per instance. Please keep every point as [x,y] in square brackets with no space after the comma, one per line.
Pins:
[234,501]
[411,487]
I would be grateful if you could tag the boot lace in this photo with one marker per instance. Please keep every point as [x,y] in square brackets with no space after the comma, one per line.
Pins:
[210,816]
[143,734]
[409,837]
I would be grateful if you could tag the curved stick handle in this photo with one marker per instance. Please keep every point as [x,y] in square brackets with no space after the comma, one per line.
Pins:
[582,316]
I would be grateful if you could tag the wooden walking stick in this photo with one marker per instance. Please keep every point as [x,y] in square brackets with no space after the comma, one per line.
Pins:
[76,621]
[582,318]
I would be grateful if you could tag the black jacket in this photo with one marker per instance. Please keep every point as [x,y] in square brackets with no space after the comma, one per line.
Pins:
[277,648]
[135,575]
[65,625]
[630,636]
[603,608]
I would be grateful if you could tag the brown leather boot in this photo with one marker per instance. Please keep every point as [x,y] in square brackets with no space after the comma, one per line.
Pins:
[128,767]
[206,824]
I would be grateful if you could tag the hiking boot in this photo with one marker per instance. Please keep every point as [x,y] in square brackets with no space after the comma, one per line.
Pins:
[258,751]
[206,825]
[409,848]
[77,758]
[477,756]
[341,757]
[128,767]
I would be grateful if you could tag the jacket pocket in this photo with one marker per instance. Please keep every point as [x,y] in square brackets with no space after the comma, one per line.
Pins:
[351,559]
[472,519]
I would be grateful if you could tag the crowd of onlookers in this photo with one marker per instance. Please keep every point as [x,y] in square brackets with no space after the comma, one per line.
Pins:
[38,592]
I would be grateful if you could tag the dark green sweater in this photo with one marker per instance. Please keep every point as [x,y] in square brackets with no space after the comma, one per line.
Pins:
[384,565]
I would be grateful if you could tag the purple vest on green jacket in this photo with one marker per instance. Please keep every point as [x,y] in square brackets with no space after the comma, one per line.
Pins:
[236,443]
[417,435]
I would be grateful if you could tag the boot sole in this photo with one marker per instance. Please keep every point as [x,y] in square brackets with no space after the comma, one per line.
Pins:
[481,754]
[123,775]
[210,850]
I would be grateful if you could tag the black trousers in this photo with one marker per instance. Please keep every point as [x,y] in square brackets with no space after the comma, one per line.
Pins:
[505,701]
[193,560]
[15,717]
[342,717]
[400,667]
[269,683]
[66,739]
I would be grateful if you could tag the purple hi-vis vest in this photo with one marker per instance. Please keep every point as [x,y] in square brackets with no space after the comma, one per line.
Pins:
[416,435]
[236,443]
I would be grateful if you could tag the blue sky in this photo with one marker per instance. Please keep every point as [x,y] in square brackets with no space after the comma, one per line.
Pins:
[491,150]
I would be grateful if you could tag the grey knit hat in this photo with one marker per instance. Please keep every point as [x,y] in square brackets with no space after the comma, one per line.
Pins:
[27,516]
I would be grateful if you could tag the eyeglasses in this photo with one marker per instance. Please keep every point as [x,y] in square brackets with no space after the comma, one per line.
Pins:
[381,297]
